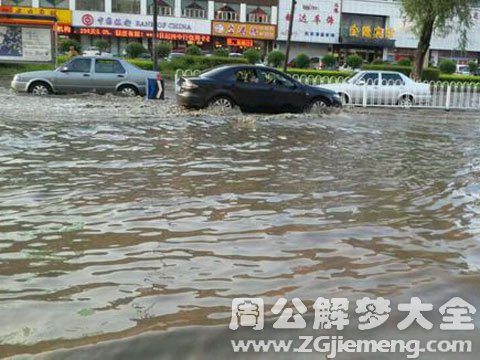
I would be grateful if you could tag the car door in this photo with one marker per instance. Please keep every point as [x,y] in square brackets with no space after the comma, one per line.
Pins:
[108,73]
[282,94]
[371,81]
[249,92]
[392,86]
[75,76]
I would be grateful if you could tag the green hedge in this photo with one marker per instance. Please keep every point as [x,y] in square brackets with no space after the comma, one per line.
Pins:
[460,78]
[308,72]
[429,74]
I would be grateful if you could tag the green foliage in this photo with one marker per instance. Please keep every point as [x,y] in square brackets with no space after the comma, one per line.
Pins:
[460,78]
[163,49]
[193,50]
[329,61]
[302,61]
[473,67]
[311,72]
[64,45]
[448,66]
[134,50]
[354,61]
[428,74]
[101,44]
[404,62]
[275,58]
[252,55]
[377,61]
[220,52]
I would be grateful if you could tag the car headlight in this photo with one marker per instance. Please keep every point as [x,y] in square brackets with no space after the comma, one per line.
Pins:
[19,78]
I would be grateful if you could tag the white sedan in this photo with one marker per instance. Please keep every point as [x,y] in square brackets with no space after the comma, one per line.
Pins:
[381,88]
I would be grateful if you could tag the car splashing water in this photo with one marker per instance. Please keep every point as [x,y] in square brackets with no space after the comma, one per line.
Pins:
[119,216]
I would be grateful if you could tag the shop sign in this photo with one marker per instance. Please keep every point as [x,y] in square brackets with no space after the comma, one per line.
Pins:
[64,16]
[243,30]
[141,34]
[315,21]
[371,32]
[95,19]
[240,42]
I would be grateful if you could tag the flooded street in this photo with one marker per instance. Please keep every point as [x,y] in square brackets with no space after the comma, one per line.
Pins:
[119,217]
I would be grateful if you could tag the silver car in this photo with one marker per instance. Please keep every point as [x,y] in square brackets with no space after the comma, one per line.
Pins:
[381,88]
[86,74]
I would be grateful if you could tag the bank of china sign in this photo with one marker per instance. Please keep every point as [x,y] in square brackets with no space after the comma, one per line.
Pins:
[139,22]
[314,21]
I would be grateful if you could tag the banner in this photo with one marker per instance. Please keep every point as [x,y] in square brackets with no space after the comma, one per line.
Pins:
[28,44]
[64,17]
[242,30]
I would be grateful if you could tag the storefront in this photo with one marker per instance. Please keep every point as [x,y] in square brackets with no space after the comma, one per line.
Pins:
[120,29]
[365,35]
[240,36]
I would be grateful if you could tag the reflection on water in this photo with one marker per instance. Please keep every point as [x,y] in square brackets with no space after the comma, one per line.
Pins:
[112,228]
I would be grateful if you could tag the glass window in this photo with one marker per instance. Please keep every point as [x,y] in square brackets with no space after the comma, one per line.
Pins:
[165,7]
[27,3]
[126,6]
[370,78]
[79,66]
[90,5]
[392,79]
[195,9]
[55,4]
[227,12]
[109,67]
[258,14]
[248,76]
[274,78]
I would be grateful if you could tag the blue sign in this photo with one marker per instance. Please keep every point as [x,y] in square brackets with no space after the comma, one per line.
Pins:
[155,89]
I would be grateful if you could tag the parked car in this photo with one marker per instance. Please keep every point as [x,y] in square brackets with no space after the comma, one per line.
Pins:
[253,89]
[175,55]
[86,74]
[95,51]
[235,55]
[382,87]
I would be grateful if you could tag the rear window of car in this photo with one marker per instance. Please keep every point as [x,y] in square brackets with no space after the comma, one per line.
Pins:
[392,79]
[215,73]
[109,67]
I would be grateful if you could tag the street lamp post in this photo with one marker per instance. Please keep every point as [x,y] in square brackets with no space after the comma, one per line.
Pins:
[289,36]
[154,35]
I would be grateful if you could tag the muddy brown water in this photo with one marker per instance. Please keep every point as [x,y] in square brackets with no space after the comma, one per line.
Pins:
[120,219]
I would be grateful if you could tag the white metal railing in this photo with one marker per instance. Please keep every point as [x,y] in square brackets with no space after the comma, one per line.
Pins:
[433,95]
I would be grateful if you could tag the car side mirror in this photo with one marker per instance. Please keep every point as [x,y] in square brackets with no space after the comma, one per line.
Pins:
[361,82]
[64,69]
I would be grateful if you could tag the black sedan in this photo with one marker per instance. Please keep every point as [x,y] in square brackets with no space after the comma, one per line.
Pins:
[253,89]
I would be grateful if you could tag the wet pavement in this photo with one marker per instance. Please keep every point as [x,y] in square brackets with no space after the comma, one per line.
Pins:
[122,219]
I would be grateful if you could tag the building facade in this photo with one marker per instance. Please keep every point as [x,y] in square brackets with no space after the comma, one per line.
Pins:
[371,28]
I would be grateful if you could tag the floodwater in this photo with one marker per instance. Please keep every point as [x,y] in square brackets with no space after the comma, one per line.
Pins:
[121,218]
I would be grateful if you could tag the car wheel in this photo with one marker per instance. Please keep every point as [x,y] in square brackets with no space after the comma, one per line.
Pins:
[221,102]
[406,101]
[317,106]
[345,99]
[128,91]
[40,89]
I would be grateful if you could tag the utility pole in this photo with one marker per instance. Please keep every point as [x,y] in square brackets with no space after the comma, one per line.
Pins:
[154,37]
[289,36]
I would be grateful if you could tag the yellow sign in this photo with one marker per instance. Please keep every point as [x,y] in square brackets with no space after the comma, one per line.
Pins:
[242,30]
[368,32]
[64,17]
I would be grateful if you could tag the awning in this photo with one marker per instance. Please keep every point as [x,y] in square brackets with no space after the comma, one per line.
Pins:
[367,42]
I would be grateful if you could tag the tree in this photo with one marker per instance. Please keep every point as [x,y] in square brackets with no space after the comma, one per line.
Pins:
[448,66]
[473,67]
[302,61]
[252,55]
[441,16]
[135,49]
[64,45]
[275,58]
[163,49]
[102,45]
[193,50]
[329,61]
[354,61]
[220,52]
